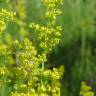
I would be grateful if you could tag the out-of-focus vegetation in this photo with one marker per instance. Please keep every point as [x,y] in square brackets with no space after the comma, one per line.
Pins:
[61,38]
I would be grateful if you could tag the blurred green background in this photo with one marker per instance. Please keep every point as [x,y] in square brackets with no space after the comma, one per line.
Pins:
[77,48]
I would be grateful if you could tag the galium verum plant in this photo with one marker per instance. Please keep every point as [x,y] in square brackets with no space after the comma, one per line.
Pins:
[22,70]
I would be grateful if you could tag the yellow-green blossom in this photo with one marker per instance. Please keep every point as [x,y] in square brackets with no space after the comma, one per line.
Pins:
[86,90]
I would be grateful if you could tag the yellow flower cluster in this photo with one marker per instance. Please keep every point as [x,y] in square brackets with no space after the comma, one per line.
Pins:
[52,3]
[86,90]
[53,74]
[7,15]
[47,37]
[52,7]
[27,72]
[2,26]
